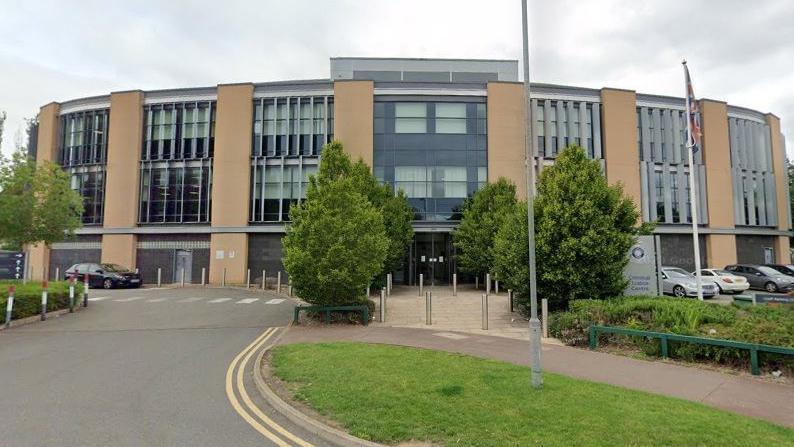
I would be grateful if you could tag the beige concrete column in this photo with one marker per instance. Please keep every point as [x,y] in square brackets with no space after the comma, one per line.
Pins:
[353,118]
[779,167]
[231,182]
[782,250]
[619,134]
[228,251]
[720,250]
[506,133]
[47,150]
[122,178]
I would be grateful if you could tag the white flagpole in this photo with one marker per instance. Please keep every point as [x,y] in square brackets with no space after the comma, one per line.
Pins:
[693,201]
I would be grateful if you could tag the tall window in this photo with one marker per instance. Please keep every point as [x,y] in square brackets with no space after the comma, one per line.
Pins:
[434,151]
[176,163]
[755,196]
[288,136]
[560,123]
[82,153]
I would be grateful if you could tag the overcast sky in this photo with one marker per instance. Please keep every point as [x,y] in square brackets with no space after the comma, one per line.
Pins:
[738,51]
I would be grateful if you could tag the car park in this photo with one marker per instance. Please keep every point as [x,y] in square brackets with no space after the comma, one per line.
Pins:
[763,277]
[726,281]
[680,283]
[106,276]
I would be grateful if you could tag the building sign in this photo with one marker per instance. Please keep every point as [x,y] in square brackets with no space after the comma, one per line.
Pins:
[12,264]
[641,270]
[777,299]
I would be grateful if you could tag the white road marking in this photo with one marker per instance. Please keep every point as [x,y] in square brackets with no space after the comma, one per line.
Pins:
[219,300]
[99,298]
[247,301]
[275,301]
[189,300]
[127,300]
[450,335]
[156,300]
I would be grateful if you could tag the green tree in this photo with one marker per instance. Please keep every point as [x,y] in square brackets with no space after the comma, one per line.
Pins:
[584,229]
[337,240]
[36,202]
[483,214]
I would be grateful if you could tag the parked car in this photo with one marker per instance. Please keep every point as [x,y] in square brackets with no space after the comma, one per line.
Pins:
[725,280]
[678,282]
[762,277]
[784,269]
[107,276]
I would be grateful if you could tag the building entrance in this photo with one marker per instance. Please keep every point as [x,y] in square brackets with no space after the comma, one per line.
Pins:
[432,255]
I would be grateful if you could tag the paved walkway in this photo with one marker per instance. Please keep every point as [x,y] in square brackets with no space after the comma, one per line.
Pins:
[463,312]
[736,393]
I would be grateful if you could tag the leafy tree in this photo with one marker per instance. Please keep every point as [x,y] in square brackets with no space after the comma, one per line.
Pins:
[584,229]
[483,214]
[337,240]
[36,202]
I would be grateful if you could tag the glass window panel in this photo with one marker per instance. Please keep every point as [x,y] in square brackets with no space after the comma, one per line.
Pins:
[410,110]
[445,125]
[450,110]
[410,173]
[410,125]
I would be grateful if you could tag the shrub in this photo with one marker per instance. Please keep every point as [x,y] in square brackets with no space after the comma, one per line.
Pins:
[762,325]
[27,298]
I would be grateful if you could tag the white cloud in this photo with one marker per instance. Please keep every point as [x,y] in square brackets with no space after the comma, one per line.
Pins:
[53,51]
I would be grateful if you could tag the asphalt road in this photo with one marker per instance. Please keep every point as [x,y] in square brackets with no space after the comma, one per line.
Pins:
[141,367]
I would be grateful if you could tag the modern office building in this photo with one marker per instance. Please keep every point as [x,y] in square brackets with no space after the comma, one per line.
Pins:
[203,178]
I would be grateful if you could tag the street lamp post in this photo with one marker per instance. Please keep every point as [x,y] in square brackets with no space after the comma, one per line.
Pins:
[534,322]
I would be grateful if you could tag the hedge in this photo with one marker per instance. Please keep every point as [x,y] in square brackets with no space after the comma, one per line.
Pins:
[757,324]
[27,297]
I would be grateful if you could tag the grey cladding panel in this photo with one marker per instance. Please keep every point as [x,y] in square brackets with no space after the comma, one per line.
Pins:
[458,76]
[426,76]
[381,76]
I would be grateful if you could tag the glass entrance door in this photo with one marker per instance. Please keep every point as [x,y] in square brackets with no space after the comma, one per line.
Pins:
[431,257]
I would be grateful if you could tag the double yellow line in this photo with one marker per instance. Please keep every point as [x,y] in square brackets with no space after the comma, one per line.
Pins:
[264,425]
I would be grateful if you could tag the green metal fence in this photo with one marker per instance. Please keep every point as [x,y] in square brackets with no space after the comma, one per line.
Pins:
[665,338]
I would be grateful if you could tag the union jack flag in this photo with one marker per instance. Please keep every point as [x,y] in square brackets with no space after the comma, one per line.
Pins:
[693,114]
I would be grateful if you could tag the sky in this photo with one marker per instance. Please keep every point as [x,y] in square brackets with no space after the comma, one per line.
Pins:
[738,51]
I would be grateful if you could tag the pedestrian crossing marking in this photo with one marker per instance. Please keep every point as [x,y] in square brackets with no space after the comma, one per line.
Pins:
[247,300]
[275,301]
[127,300]
[219,300]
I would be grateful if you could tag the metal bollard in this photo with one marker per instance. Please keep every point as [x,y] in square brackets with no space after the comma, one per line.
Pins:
[85,291]
[382,306]
[278,282]
[71,295]
[10,305]
[421,283]
[476,282]
[182,280]
[223,278]
[510,300]
[264,279]
[485,311]
[388,284]
[496,284]
[429,308]
[544,306]
[487,283]
[454,284]
[289,287]
[159,276]
[57,273]
[44,300]
[203,276]
[367,291]
[248,278]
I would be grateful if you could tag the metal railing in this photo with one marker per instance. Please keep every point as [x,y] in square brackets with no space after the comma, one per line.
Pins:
[665,338]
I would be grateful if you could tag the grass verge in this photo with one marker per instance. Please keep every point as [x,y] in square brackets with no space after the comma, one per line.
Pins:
[394,394]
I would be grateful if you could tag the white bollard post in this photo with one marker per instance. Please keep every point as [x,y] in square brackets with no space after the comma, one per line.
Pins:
[203,276]
[278,282]
[44,300]
[382,306]
[429,308]
[57,273]
[10,305]
[454,284]
[388,284]
[510,300]
[476,282]
[85,291]
[487,283]
[496,284]
[71,295]
[248,278]
[159,276]
[182,279]
[289,287]
[485,311]
[421,283]
[264,279]
[544,313]
[367,292]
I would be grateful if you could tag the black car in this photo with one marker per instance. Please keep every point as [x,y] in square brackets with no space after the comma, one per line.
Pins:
[106,276]
[784,269]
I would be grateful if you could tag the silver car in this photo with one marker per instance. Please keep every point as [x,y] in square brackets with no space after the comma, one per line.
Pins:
[680,283]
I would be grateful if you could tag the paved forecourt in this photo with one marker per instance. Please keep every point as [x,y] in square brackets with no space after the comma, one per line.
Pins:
[145,367]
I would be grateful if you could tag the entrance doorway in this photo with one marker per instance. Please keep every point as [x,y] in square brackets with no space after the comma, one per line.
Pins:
[183,260]
[432,255]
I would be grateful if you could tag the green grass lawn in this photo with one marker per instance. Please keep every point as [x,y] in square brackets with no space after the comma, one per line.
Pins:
[391,394]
